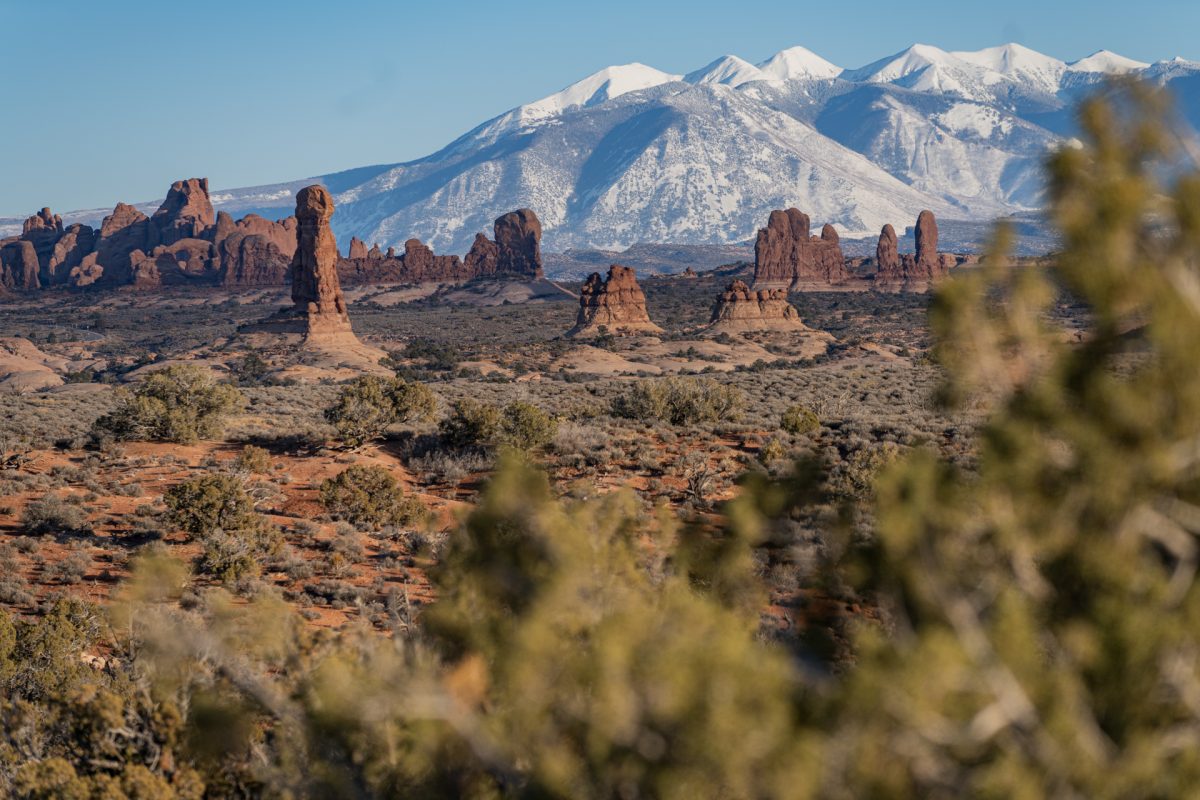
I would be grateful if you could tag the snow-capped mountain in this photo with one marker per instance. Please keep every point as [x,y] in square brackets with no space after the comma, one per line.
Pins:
[635,154]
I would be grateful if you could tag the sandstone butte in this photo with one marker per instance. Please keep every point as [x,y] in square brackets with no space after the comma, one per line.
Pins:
[615,304]
[740,308]
[786,256]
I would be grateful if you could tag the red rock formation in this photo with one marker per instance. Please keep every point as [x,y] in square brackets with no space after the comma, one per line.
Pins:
[615,303]
[786,256]
[375,253]
[417,264]
[187,213]
[121,233]
[183,261]
[911,272]
[358,248]
[316,292]
[44,220]
[887,255]
[926,234]
[518,240]
[57,250]
[741,308]
[19,265]
[69,251]
[254,251]
[482,257]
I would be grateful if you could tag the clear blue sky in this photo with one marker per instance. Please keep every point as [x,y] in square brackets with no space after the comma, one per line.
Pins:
[113,100]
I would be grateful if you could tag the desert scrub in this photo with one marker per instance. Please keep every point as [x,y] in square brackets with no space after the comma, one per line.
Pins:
[366,407]
[469,424]
[680,401]
[518,425]
[52,514]
[181,403]
[525,427]
[799,420]
[370,496]
[209,503]
[253,459]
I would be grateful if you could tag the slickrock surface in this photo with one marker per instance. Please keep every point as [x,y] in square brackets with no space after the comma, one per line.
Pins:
[615,303]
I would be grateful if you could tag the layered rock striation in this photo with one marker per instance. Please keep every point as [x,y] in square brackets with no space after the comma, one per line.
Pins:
[740,308]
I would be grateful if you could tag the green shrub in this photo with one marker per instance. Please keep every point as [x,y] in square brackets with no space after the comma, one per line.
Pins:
[680,401]
[253,459]
[367,406]
[210,503]
[470,424]
[181,403]
[526,427]
[799,420]
[369,495]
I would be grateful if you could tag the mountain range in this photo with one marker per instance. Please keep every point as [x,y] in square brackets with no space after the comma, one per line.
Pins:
[633,154]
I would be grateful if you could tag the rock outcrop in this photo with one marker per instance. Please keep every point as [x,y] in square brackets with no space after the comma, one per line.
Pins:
[911,272]
[926,234]
[615,304]
[184,241]
[482,257]
[187,213]
[519,244]
[254,251]
[19,266]
[417,264]
[740,308]
[316,292]
[515,254]
[786,256]
[67,254]
[887,254]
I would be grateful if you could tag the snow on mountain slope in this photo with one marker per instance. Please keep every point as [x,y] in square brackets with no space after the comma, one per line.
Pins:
[632,153]
[1018,64]
[980,158]
[727,70]
[798,62]
[678,163]
[606,84]
[1106,62]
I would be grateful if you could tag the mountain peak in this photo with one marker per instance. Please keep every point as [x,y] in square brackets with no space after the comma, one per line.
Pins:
[798,62]
[728,70]
[1108,62]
